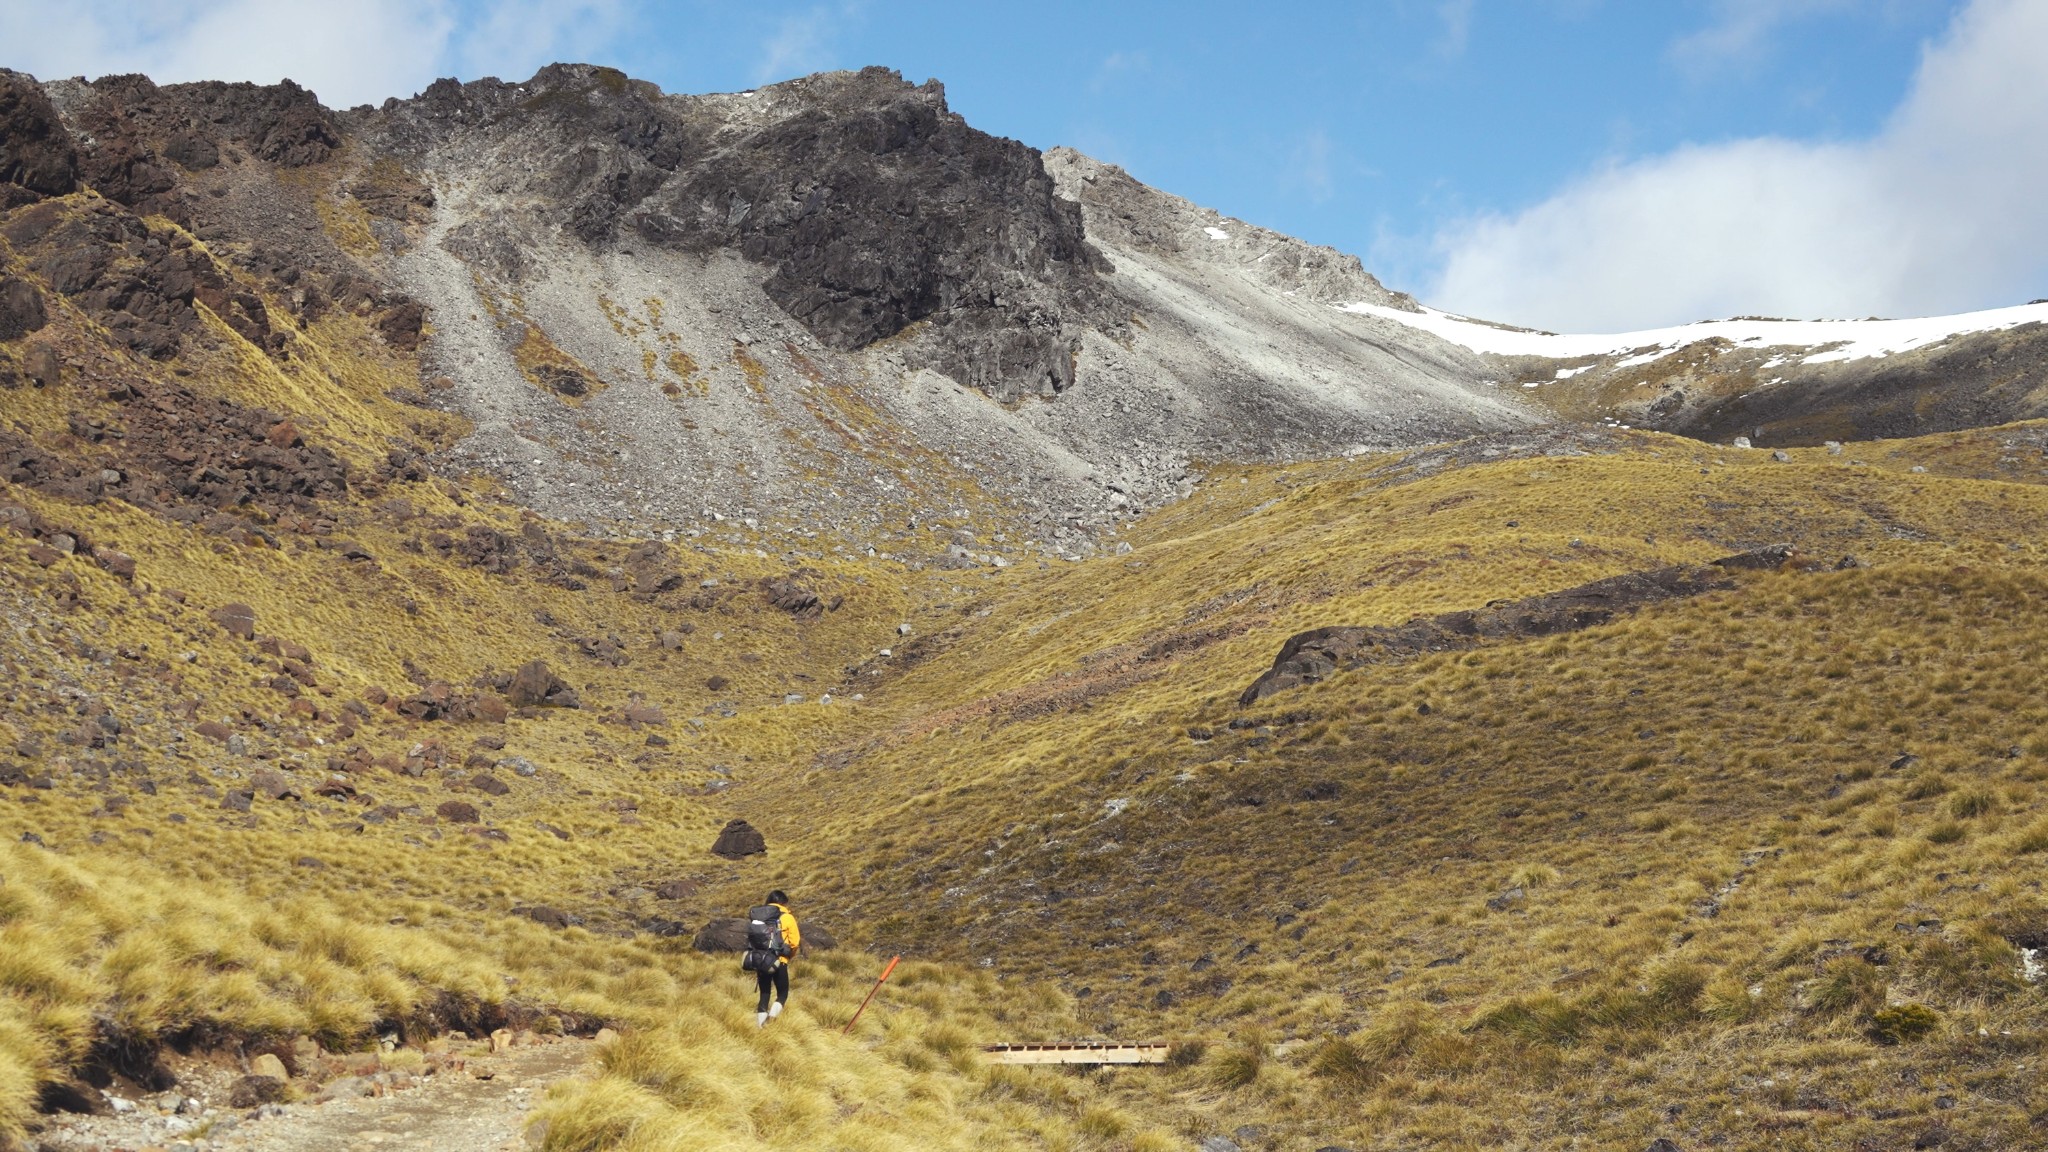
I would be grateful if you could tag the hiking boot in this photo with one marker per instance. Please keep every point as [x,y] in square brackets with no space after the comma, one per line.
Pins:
[760,1019]
[775,1010]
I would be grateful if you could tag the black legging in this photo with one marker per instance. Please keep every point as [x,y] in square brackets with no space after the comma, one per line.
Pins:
[777,982]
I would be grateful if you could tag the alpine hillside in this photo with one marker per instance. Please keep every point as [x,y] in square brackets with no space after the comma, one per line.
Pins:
[457,555]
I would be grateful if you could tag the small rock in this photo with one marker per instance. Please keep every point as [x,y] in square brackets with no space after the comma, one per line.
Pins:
[535,685]
[520,766]
[238,800]
[676,889]
[544,915]
[1742,441]
[345,1088]
[267,1064]
[1782,456]
[1662,1144]
[120,564]
[252,1091]
[273,785]
[239,620]
[1506,900]
[457,812]
[489,785]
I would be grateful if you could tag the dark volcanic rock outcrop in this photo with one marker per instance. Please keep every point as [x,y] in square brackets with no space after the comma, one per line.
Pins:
[36,153]
[871,205]
[1312,656]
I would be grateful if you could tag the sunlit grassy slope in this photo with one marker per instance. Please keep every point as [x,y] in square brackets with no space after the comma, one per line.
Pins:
[1671,875]
[1753,870]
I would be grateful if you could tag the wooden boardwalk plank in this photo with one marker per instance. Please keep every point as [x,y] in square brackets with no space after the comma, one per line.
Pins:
[1084,1053]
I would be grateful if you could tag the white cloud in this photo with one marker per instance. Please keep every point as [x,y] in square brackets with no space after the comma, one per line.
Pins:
[1457,20]
[1741,29]
[1941,211]
[1308,170]
[348,51]
[512,39]
[801,45]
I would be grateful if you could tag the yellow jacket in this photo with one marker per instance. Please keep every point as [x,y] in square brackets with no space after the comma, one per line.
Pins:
[790,935]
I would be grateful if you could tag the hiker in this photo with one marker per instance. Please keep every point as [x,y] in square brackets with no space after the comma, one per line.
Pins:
[772,938]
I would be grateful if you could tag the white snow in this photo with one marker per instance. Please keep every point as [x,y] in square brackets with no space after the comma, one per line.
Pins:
[1836,340]
[1217,233]
[1568,373]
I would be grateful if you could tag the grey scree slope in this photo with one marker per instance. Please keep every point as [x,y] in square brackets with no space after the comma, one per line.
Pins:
[1045,331]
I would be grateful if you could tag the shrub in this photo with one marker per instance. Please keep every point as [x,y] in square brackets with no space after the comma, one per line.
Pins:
[1946,832]
[1340,1060]
[1928,785]
[1847,984]
[2034,839]
[1972,804]
[1901,1023]
[1239,1065]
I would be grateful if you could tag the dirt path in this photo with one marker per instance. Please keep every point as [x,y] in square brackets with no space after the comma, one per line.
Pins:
[456,1111]
[474,1102]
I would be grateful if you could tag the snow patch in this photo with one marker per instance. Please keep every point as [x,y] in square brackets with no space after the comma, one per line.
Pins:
[1835,340]
[1217,233]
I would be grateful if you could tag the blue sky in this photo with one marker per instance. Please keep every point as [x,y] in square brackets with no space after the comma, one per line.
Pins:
[1564,163]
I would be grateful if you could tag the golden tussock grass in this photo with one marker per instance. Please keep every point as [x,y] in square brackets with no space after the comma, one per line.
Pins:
[1676,864]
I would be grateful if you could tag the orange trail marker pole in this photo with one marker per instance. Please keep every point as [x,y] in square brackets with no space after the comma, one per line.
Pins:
[871,995]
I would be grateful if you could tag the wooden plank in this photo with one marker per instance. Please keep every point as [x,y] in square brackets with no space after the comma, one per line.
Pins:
[1083,1053]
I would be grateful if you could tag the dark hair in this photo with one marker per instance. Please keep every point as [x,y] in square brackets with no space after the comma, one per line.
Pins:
[778,897]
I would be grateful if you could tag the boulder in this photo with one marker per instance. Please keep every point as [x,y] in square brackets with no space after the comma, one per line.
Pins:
[739,839]
[727,934]
[36,152]
[269,1065]
[640,712]
[793,598]
[676,889]
[273,785]
[457,812]
[535,685]
[40,364]
[816,939]
[238,620]
[238,800]
[489,785]
[21,308]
